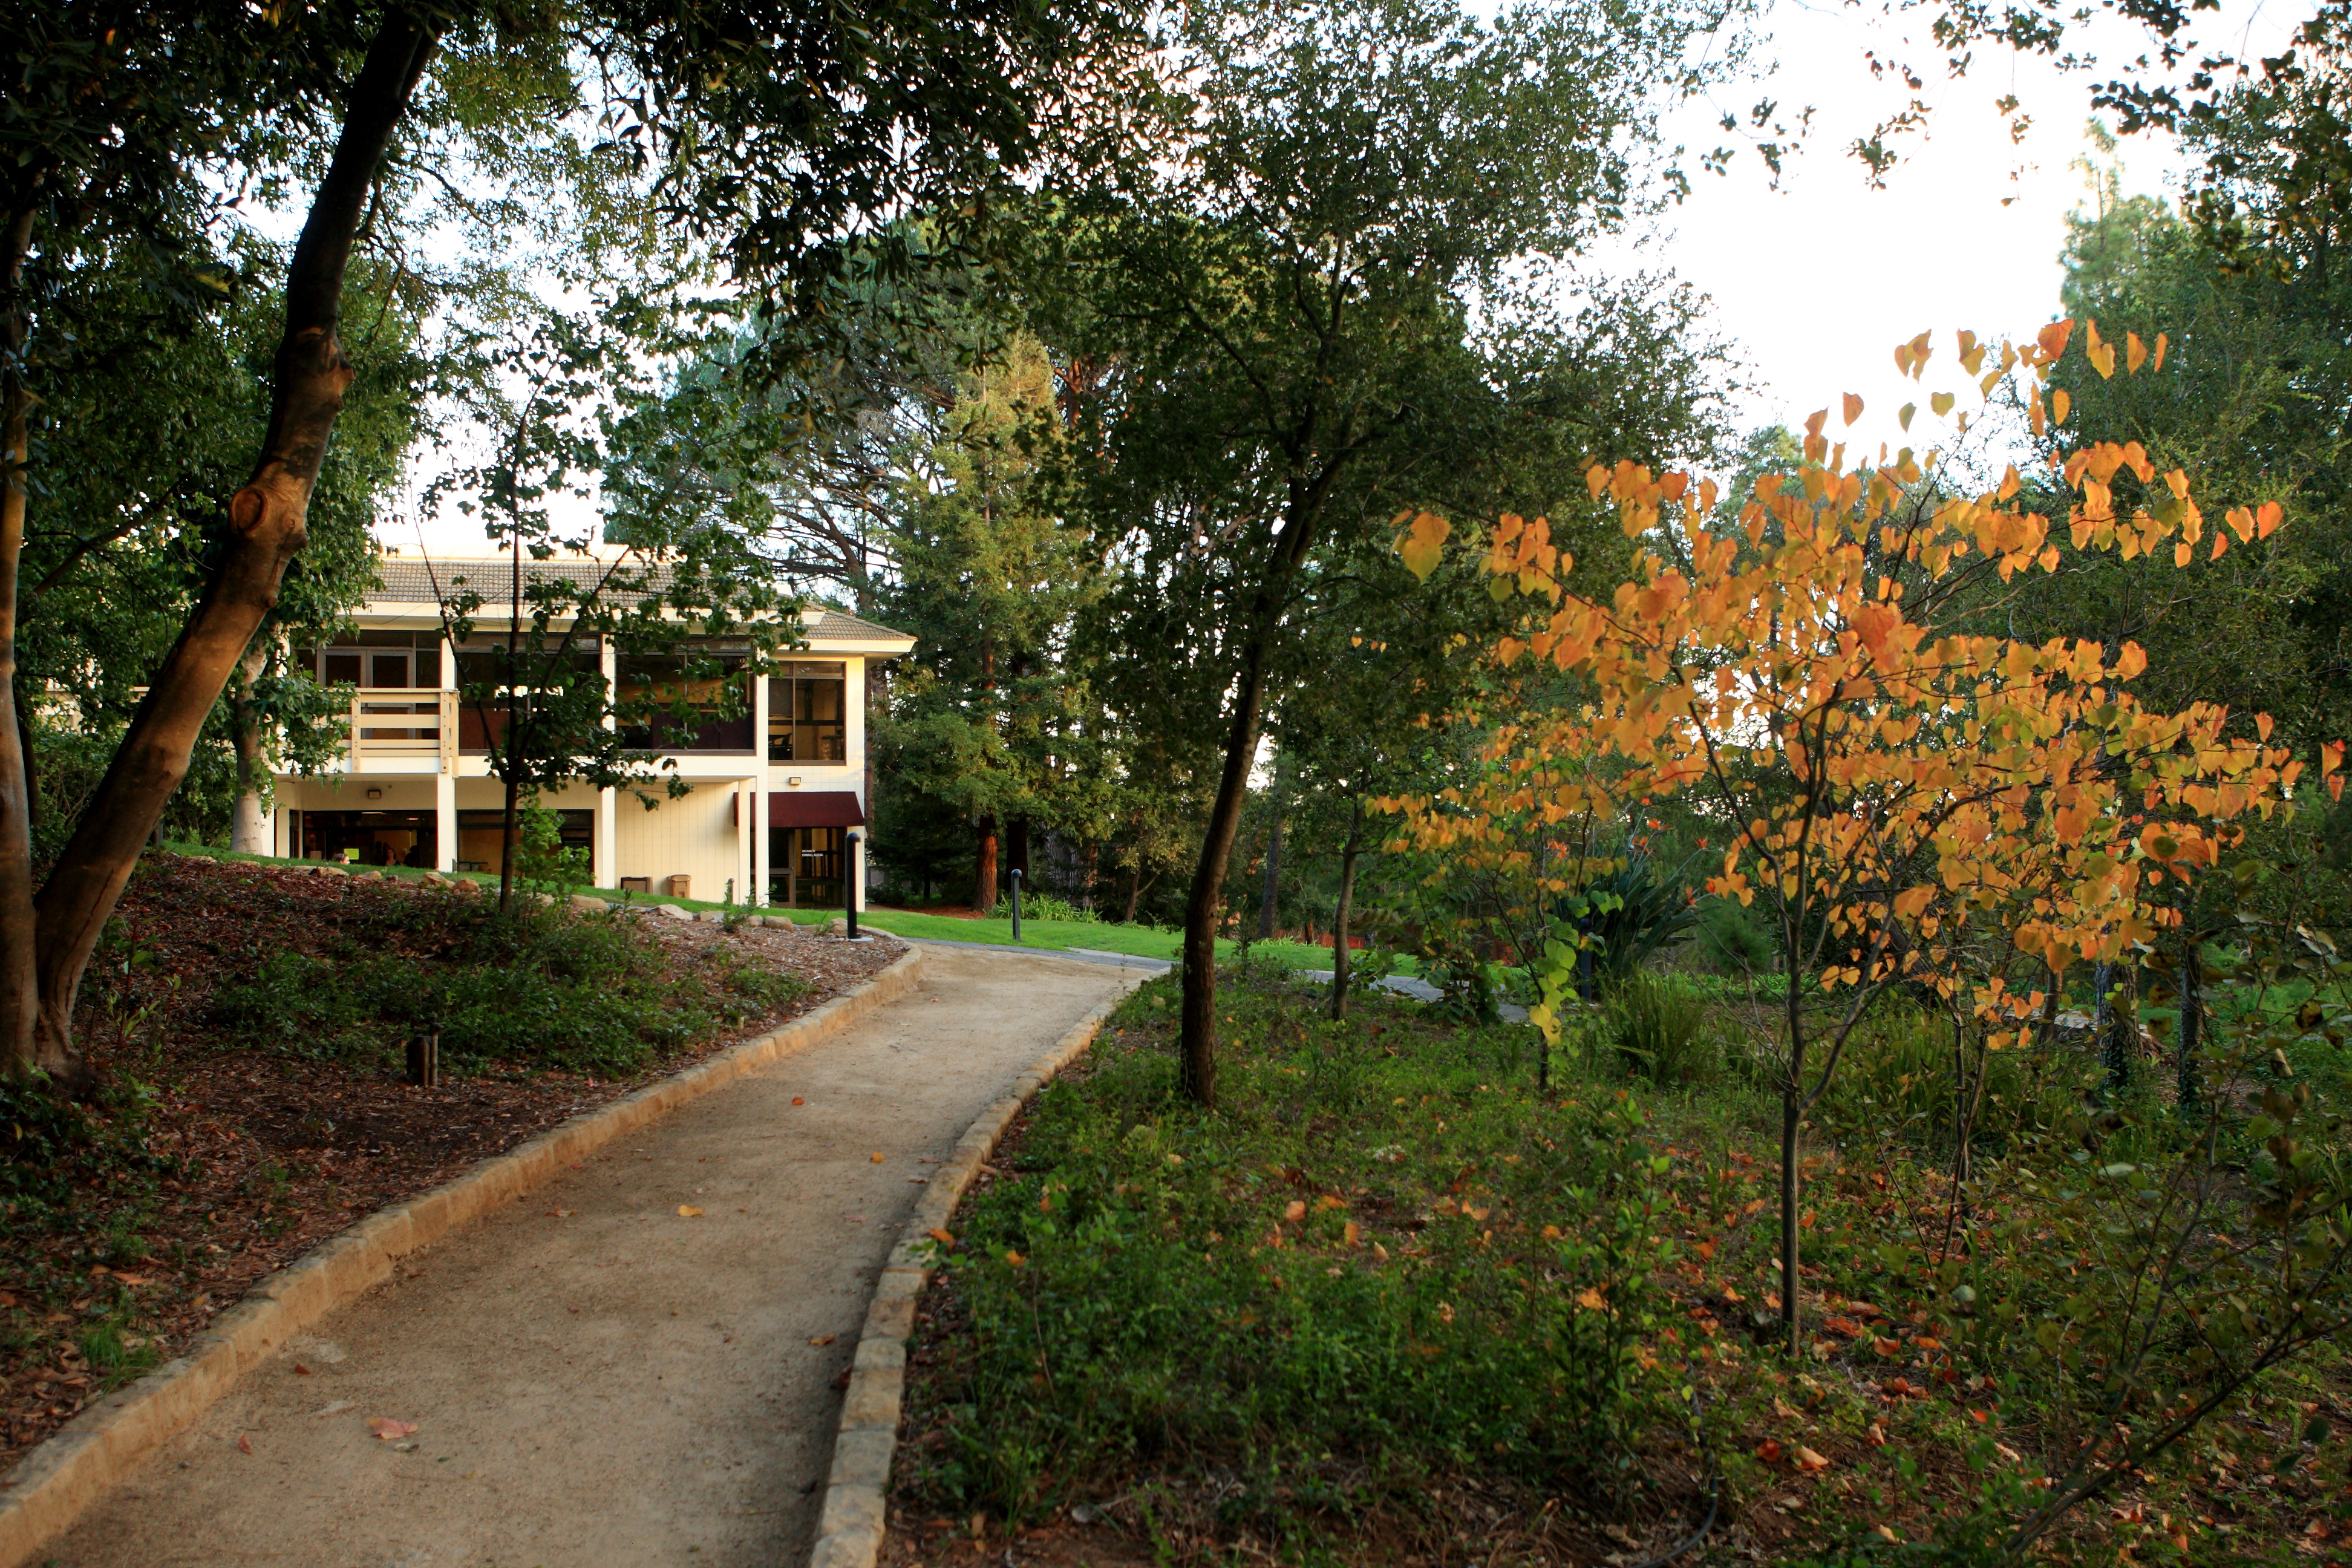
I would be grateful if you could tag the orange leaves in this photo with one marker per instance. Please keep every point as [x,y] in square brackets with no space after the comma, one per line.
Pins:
[1911,358]
[1788,674]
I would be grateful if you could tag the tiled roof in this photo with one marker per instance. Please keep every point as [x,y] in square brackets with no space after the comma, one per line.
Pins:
[831,626]
[412,579]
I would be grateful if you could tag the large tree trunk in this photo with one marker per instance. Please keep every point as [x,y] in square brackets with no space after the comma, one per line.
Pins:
[267,525]
[983,878]
[19,977]
[249,831]
[1340,915]
[1016,848]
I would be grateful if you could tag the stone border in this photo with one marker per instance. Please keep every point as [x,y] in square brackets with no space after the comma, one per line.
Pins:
[49,1488]
[849,1531]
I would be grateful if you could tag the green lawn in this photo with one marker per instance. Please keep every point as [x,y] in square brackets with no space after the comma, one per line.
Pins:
[1098,936]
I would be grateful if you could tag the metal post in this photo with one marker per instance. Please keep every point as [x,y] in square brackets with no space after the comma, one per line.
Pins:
[1016,903]
[850,881]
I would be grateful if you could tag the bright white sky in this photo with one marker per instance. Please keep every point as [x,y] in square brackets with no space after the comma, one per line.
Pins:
[1814,283]
[1818,281]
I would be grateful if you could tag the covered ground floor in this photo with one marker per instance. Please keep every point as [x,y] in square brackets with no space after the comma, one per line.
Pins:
[726,840]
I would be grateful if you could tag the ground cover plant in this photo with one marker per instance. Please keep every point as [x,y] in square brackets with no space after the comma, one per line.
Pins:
[246,1022]
[1397,1304]
[1387,1294]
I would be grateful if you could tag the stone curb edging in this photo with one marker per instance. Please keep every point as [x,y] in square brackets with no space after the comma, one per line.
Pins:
[849,1531]
[68,1472]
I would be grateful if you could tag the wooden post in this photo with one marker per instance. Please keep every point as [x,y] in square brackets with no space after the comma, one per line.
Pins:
[424,1058]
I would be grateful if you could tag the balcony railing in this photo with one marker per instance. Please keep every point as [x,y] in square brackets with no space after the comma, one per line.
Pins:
[395,729]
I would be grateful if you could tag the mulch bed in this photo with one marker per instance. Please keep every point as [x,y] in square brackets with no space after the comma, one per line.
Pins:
[267,1154]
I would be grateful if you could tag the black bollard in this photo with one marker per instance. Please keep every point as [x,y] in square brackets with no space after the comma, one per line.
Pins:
[850,881]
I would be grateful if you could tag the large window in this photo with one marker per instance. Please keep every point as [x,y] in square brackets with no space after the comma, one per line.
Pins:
[707,681]
[807,721]
[804,867]
[481,837]
[393,661]
[482,720]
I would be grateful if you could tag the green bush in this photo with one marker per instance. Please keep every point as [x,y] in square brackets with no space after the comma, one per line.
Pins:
[547,986]
[1036,906]
[1656,1025]
[1898,1075]
[1374,1265]
[1733,939]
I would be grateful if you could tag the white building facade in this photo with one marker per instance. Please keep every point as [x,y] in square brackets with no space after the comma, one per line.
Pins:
[773,797]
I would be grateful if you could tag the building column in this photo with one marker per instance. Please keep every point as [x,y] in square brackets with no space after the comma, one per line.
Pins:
[445,820]
[746,798]
[758,895]
[605,868]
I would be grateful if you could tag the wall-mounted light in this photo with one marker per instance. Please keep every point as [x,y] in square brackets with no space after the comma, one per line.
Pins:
[376,795]
[794,781]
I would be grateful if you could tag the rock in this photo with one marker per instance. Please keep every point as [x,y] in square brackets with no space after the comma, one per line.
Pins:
[711,917]
[468,884]
[837,926]
[206,859]
[540,898]
[675,913]
[583,902]
[329,871]
[436,877]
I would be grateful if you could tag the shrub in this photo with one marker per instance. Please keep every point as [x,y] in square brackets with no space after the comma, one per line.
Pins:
[1037,906]
[1732,938]
[1658,1026]
[581,993]
[1377,1263]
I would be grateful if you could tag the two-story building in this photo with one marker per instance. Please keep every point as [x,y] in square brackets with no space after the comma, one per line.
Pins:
[774,795]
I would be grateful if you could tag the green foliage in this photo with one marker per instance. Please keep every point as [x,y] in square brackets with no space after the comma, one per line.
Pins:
[543,986]
[1657,1025]
[1897,1085]
[541,856]
[1387,1260]
[1732,938]
[1042,907]
[1634,912]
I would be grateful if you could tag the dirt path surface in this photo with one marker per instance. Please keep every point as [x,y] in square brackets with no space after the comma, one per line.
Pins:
[593,1377]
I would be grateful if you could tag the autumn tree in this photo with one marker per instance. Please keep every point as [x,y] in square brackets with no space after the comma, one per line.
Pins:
[1881,781]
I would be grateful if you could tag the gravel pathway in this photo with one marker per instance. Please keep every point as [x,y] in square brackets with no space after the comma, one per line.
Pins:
[634,1365]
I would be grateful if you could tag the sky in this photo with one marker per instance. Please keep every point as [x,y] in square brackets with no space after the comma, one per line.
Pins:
[1815,282]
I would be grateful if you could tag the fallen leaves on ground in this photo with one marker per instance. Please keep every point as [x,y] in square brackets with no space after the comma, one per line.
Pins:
[386,1429]
[687,1211]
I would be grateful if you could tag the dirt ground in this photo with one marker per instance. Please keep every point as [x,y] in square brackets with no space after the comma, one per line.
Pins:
[636,1365]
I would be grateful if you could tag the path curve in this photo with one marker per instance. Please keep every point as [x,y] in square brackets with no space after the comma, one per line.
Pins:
[593,1377]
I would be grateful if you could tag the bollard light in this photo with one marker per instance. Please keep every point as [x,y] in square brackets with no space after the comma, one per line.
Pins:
[1016,903]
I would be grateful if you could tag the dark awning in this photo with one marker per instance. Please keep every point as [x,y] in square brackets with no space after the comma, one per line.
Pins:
[814,808]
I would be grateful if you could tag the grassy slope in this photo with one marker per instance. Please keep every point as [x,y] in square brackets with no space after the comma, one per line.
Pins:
[1141,941]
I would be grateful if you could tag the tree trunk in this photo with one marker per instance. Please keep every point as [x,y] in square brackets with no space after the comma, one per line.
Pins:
[1272,896]
[1016,848]
[1792,1194]
[249,833]
[1134,893]
[267,526]
[1339,913]
[984,881]
[24,700]
[19,974]
[1199,1072]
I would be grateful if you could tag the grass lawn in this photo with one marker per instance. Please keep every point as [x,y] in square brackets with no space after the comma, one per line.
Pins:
[1098,936]
[1397,1301]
